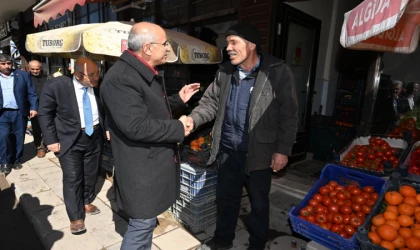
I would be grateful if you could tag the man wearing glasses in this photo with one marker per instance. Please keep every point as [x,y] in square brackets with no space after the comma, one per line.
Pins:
[144,135]
[71,120]
[18,100]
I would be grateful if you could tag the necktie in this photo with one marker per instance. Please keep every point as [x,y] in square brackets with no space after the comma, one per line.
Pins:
[87,111]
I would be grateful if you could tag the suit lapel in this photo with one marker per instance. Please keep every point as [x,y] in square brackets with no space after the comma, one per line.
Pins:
[73,100]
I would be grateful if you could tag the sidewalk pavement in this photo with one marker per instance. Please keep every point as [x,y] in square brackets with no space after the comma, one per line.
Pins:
[39,188]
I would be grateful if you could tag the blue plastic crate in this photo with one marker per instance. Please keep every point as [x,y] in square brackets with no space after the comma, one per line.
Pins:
[198,191]
[196,173]
[198,208]
[194,222]
[197,199]
[345,177]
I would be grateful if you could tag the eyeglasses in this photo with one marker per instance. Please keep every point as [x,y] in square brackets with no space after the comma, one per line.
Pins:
[91,75]
[165,44]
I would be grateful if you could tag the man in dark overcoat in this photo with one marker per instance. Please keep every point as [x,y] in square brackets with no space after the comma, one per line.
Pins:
[144,135]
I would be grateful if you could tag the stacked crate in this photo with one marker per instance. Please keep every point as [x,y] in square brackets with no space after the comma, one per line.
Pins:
[196,208]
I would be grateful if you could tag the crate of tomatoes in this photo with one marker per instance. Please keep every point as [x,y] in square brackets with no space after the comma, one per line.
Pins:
[336,206]
[405,125]
[395,221]
[371,154]
[411,167]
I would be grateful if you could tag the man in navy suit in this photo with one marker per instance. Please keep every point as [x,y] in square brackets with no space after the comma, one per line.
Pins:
[18,100]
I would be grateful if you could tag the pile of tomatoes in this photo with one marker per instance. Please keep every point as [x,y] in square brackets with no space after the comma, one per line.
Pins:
[414,163]
[407,124]
[340,209]
[372,156]
[398,226]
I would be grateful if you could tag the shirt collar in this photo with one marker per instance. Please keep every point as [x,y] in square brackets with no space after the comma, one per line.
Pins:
[11,74]
[78,84]
[143,61]
[243,74]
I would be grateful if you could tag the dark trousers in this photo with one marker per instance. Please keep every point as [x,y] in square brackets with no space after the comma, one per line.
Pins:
[80,167]
[139,234]
[37,133]
[232,176]
[12,135]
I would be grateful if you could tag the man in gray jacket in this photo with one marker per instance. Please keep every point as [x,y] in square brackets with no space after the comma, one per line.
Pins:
[253,101]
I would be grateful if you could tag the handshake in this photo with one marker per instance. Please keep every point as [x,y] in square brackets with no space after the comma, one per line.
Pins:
[188,124]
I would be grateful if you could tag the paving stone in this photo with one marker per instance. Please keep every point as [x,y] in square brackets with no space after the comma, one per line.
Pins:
[118,247]
[65,240]
[177,239]
[212,227]
[30,187]
[104,218]
[202,237]
[37,160]
[43,200]
[24,174]
[39,166]
[165,226]
[48,220]
[58,190]
[51,174]
[284,243]
[111,234]
[102,185]
[241,240]
[107,195]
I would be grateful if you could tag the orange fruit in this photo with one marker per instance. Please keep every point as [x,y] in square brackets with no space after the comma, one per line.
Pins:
[387,232]
[405,208]
[390,215]
[417,216]
[373,228]
[405,220]
[387,245]
[411,201]
[392,209]
[393,198]
[415,226]
[418,197]
[374,237]
[393,223]
[378,220]
[408,191]
[417,209]
[416,233]
[405,232]
[399,242]
[413,243]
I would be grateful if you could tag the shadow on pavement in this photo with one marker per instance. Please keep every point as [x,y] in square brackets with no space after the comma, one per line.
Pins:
[16,230]
[117,208]
[29,152]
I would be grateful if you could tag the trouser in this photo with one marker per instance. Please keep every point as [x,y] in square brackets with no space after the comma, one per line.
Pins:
[232,176]
[80,165]
[139,234]
[12,135]
[37,133]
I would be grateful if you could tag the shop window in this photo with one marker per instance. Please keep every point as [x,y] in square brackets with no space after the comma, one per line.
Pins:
[91,13]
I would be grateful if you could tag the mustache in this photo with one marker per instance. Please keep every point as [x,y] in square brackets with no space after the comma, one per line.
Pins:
[231,53]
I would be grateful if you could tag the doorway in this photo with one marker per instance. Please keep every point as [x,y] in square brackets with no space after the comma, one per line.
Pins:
[296,40]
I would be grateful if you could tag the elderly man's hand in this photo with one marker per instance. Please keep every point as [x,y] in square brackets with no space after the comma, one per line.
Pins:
[54,147]
[188,91]
[278,161]
[32,113]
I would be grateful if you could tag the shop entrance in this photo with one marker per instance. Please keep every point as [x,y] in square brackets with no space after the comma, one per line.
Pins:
[296,40]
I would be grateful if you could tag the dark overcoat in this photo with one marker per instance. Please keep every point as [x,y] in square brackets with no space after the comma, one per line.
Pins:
[143,137]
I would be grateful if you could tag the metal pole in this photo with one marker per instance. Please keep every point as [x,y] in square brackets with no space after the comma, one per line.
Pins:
[372,86]
[36,7]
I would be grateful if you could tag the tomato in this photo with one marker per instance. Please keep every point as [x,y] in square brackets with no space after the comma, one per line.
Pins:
[320,209]
[311,218]
[360,214]
[341,196]
[343,234]
[313,202]
[321,218]
[346,219]
[355,221]
[366,209]
[378,142]
[347,202]
[366,195]
[345,209]
[359,199]
[333,208]
[368,189]
[384,148]
[371,156]
[302,217]
[356,207]
[324,226]
[340,188]
[349,230]
[349,187]
[374,196]
[304,212]
[379,154]
[330,217]
[310,209]
[326,200]
[355,191]
[336,228]
[317,197]
[395,163]
[360,154]
[324,190]
[340,202]
[370,202]
[333,183]
[394,151]
[337,218]
[372,140]
[332,194]
[360,159]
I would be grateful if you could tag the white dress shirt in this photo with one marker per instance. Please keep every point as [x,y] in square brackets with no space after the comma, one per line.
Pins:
[78,87]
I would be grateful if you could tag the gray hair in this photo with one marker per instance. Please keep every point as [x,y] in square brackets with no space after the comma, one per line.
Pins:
[137,40]
[397,83]
[5,58]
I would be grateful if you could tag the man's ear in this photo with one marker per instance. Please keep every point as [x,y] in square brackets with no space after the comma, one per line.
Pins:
[252,46]
[146,49]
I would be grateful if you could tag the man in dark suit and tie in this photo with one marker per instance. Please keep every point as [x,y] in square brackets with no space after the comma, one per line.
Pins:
[18,100]
[71,116]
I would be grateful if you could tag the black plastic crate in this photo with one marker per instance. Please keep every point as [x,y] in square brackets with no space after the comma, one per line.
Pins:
[396,181]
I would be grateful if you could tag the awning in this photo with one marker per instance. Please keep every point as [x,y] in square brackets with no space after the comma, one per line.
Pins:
[47,9]
[103,40]
[382,25]
[5,42]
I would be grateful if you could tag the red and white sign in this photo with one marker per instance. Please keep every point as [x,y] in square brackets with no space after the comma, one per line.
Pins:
[382,25]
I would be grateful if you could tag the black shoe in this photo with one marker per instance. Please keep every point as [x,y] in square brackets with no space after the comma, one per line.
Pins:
[17,166]
[5,168]
[211,245]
